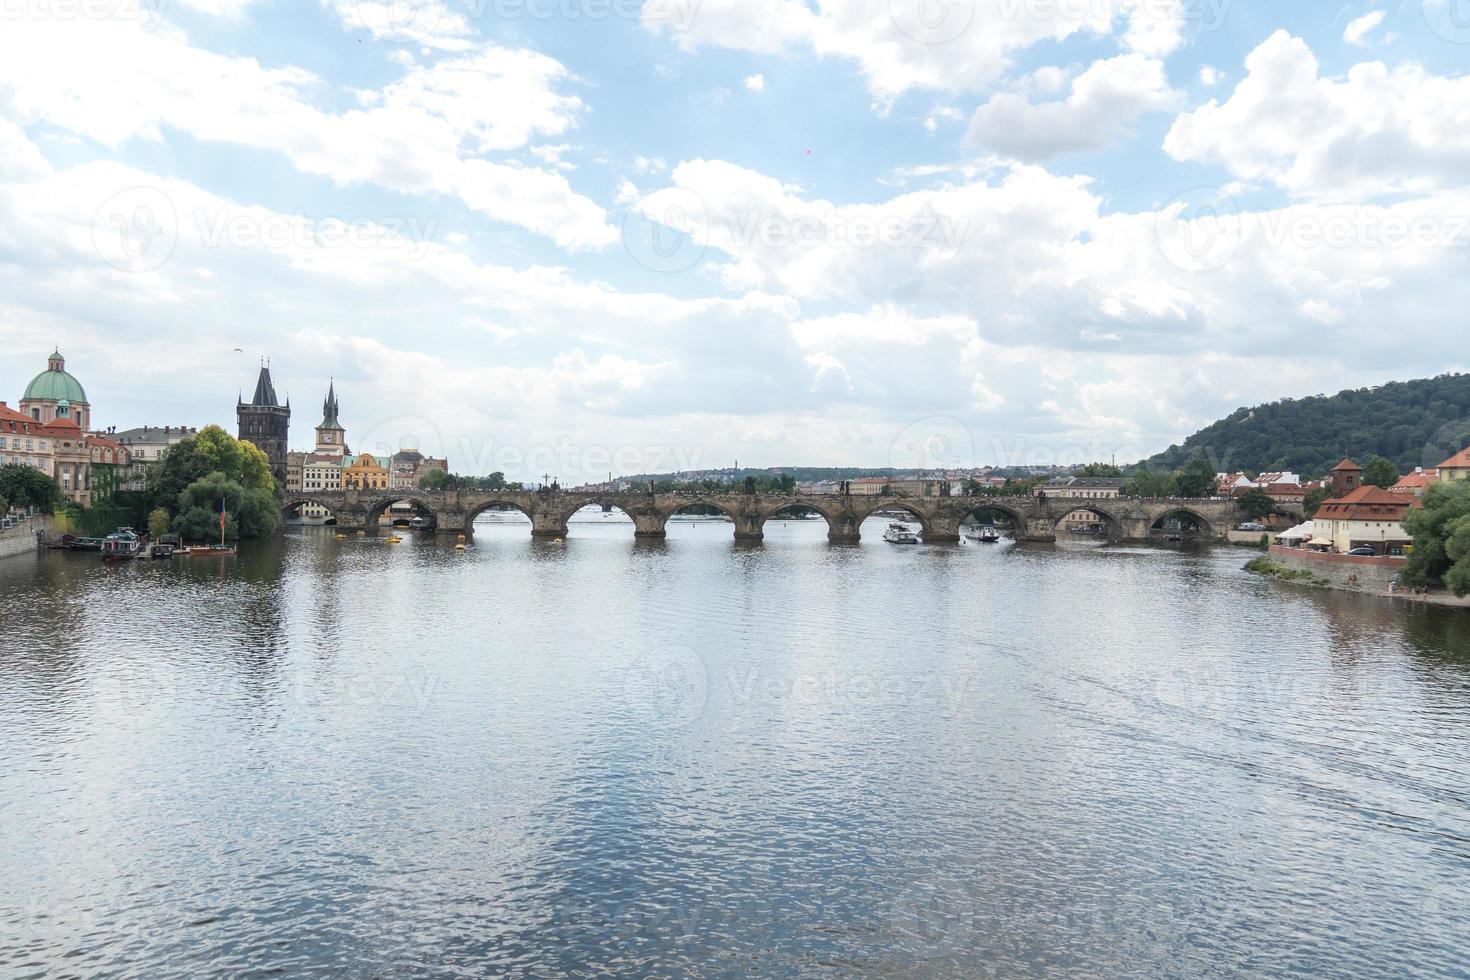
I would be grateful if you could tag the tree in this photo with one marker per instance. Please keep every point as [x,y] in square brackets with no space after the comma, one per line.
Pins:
[1146,483]
[1441,532]
[249,511]
[158,522]
[1197,479]
[1100,470]
[1380,472]
[435,480]
[1256,504]
[25,487]
[213,450]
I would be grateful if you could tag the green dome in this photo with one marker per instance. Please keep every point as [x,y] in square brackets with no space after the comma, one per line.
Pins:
[54,385]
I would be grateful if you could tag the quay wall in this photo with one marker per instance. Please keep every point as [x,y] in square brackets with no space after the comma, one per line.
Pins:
[1358,574]
[19,540]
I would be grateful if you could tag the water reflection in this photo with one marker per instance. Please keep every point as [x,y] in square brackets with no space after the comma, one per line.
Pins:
[682,757]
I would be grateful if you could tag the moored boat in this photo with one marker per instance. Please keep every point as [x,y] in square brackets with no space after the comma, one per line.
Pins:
[123,544]
[900,534]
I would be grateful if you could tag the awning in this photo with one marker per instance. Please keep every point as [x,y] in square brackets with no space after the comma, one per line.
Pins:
[1319,541]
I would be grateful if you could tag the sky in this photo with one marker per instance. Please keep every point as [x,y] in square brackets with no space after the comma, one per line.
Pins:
[577,238]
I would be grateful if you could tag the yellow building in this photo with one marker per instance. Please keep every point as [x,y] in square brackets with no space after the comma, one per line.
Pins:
[367,472]
[1457,467]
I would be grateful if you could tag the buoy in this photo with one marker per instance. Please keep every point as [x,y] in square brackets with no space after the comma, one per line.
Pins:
[459,547]
[461,537]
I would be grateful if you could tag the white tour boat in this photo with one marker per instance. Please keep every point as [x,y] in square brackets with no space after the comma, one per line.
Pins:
[900,534]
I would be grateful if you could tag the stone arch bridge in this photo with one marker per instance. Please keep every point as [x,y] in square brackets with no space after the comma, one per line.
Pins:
[1034,518]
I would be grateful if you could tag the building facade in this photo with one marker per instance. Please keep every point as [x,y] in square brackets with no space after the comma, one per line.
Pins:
[22,442]
[146,445]
[266,424]
[1364,517]
[1082,488]
[366,472]
[1457,467]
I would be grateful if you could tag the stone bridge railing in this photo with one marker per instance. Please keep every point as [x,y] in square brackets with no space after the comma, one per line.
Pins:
[1035,518]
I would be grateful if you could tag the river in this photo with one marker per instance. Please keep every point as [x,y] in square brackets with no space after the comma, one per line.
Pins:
[686,758]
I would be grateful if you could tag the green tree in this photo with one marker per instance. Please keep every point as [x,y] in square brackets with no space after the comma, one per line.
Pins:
[249,511]
[25,487]
[213,450]
[1146,483]
[1256,504]
[1197,479]
[1099,470]
[1441,533]
[158,522]
[435,480]
[1380,472]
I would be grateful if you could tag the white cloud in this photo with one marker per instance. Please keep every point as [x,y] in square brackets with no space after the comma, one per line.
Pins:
[755,83]
[425,134]
[1358,30]
[1210,76]
[901,44]
[1104,101]
[1374,130]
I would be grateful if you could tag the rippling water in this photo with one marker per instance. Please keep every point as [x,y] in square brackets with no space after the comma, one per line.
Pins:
[689,758]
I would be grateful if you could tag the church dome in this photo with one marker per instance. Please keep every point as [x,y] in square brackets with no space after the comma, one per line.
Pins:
[54,385]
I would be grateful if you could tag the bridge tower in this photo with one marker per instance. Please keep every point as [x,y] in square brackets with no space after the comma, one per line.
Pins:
[265,423]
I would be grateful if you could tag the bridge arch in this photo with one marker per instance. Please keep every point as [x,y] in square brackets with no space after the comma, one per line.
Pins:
[896,503]
[379,507]
[975,506]
[292,503]
[496,503]
[1191,522]
[783,510]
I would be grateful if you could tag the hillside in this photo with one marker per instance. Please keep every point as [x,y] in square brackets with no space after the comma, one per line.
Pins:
[1412,423]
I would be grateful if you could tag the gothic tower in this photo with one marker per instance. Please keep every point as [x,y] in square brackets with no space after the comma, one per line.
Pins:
[266,423]
[331,438]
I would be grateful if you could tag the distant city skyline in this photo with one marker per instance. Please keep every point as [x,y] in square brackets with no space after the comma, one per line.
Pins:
[677,234]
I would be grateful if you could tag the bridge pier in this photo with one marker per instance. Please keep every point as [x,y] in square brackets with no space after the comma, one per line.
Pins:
[941,530]
[548,526]
[650,526]
[1040,529]
[844,529]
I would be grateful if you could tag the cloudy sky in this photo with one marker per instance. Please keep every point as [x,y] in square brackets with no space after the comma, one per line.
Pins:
[581,236]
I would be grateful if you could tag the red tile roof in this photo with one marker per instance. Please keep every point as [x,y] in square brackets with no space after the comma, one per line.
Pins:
[1347,465]
[1414,481]
[1367,503]
[1459,461]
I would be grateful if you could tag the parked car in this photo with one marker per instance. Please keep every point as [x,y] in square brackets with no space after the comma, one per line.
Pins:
[1362,552]
[1250,527]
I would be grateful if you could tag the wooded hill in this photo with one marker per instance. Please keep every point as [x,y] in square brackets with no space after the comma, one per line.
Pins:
[1412,423]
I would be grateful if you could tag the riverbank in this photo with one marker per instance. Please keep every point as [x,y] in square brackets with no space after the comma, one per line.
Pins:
[19,540]
[1376,575]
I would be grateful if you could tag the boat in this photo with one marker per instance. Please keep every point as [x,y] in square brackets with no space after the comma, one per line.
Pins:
[982,535]
[205,550]
[900,534]
[123,544]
